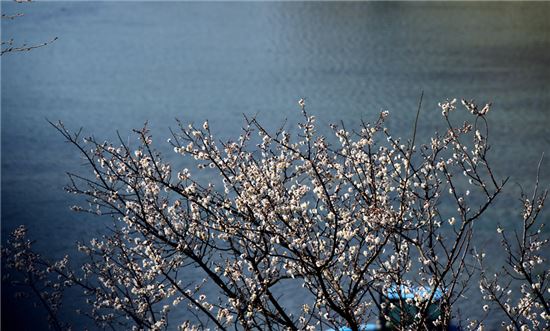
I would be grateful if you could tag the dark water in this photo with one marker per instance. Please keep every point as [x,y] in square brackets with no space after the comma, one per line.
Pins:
[119,64]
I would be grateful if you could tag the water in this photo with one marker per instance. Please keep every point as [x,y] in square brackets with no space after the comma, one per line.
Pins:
[119,64]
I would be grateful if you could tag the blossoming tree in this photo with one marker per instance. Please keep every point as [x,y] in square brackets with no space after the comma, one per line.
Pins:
[348,220]
[10,46]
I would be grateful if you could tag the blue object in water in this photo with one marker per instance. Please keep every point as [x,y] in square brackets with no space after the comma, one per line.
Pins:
[397,312]
[362,327]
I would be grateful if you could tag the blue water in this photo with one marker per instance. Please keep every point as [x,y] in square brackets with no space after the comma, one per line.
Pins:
[119,64]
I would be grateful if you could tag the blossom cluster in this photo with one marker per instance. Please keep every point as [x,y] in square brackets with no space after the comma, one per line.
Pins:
[522,288]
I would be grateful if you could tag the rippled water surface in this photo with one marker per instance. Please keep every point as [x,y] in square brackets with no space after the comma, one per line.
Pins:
[119,64]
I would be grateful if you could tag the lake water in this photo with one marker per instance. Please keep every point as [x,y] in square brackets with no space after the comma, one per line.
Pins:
[119,64]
